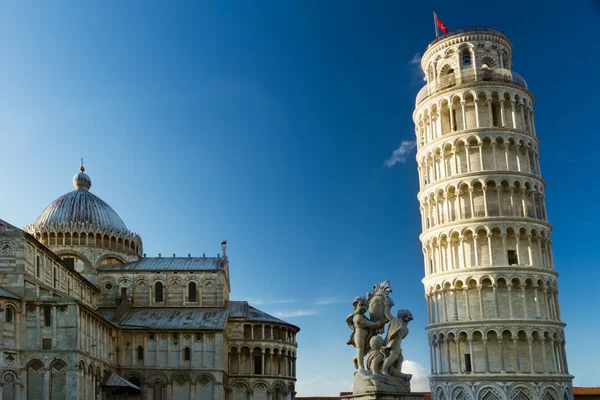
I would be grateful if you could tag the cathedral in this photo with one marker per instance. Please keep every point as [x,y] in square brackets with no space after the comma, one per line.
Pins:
[85,314]
[495,330]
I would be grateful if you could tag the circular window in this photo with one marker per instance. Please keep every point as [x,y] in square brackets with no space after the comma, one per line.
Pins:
[108,286]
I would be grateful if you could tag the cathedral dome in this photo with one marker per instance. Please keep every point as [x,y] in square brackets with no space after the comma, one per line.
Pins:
[83,213]
[81,209]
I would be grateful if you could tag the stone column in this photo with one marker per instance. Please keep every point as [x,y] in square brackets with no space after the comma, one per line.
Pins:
[441,369]
[516,350]
[530,346]
[443,293]
[510,305]
[475,249]
[518,246]
[504,248]
[454,294]
[449,365]
[514,117]
[544,362]
[502,364]
[431,359]
[46,383]
[467,147]
[537,302]
[464,115]
[524,294]
[496,305]
[486,355]
[481,312]
[546,303]
[466,291]
[564,356]
[54,327]
[472,355]
[462,246]
[472,204]
[458,359]
[490,252]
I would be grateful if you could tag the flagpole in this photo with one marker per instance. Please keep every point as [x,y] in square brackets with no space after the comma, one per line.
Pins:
[437,33]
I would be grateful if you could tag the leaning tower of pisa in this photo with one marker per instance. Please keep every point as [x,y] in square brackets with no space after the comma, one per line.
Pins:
[494,329]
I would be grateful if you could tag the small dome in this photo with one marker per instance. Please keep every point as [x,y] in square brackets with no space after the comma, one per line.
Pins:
[82,181]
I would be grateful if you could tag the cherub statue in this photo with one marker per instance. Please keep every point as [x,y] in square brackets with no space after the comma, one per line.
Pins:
[397,330]
[376,355]
[363,329]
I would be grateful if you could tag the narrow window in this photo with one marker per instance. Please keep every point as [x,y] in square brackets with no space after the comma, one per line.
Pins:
[46,344]
[47,316]
[158,292]
[38,268]
[512,257]
[198,336]
[192,293]
[152,336]
[140,353]
[8,317]
[175,336]
[186,354]
[467,363]
[55,277]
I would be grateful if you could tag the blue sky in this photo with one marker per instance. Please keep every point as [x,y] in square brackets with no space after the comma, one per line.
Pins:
[268,124]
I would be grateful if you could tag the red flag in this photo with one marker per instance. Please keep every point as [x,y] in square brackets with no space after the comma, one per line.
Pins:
[440,24]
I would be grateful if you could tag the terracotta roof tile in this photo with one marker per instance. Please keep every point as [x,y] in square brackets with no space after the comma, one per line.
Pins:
[586,390]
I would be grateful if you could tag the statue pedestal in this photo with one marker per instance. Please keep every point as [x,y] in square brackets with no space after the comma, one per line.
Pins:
[383,396]
[368,386]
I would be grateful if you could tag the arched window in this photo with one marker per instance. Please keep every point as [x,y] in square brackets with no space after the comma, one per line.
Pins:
[9,315]
[466,56]
[192,292]
[187,356]
[38,268]
[158,292]
[140,353]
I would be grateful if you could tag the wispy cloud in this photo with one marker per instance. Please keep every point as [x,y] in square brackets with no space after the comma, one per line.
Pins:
[327,301]
[401,153]
[416,59]
[294,313]
[258,302]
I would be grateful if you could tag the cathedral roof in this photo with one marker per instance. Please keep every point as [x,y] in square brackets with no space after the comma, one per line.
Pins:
[172,318]
[241,309]
[6,293]
[168,264]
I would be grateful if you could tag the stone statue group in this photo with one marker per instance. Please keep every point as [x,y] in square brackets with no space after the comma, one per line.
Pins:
[383,372]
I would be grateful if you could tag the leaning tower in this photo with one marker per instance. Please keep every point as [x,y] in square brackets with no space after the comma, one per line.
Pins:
[495,330]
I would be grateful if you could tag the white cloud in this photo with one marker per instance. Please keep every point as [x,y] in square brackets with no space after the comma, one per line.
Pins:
[416,59]
[419,381]
[401,153]
[327,301]
[295,313]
